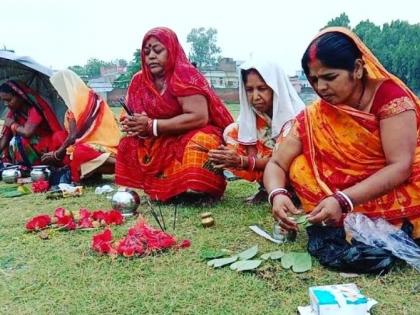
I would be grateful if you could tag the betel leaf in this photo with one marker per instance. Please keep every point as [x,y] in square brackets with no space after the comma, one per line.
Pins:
[287,260]
[244,265]
[249,253]
[208,253]
[24,189]
[302,262]
[220,262]
[273,255]
[301,219]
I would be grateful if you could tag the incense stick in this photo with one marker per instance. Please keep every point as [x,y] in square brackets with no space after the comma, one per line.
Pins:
[154,214]
[176,210]
[163,219]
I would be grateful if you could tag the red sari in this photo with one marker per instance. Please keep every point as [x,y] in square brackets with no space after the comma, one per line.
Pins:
[48,135]
[166,166]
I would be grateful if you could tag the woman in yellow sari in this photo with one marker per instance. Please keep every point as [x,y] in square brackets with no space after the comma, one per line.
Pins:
[355,149]
[94,134]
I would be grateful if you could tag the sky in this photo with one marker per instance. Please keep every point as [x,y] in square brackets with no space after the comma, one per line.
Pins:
[61,33]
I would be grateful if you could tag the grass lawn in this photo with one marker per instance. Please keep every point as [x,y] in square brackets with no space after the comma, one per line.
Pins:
[63,275]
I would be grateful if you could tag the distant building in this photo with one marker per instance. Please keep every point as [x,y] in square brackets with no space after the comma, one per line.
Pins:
[224,75]
[112,72]
[101,86]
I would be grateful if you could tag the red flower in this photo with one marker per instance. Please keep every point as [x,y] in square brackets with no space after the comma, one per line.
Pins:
[101,242]
[84,213]
[129,246]
[38,222]
[59,213]
[40,186]
[67,222]
[98,215]
[185,244]
[113,217]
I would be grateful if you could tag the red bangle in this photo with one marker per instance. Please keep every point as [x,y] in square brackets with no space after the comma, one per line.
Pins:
[149,127]
[343,202]
[278,191]
[251,163]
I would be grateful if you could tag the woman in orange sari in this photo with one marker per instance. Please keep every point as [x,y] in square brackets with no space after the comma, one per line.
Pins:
[30,128]
[267,102]
[91,146]
[355,149]
[176,119]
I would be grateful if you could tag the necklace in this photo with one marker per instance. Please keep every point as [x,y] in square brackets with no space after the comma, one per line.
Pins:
[359,104]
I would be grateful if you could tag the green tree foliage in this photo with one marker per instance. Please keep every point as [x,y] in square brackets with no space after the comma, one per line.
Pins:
[204,50]
[342,20]
[395,44]
[133,67]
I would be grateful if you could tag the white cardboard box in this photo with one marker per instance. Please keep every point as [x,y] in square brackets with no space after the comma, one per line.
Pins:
[342,299]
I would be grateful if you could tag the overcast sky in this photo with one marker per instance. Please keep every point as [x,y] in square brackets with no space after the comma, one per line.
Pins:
[61,33]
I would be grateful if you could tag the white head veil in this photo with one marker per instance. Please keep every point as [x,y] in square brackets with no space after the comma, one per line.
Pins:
[286,102]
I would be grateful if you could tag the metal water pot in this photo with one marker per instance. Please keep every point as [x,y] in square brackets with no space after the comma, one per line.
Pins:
[11,174]
[126,201]
[40,172]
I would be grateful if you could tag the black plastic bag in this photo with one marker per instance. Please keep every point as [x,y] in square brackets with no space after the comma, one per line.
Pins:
[329,246]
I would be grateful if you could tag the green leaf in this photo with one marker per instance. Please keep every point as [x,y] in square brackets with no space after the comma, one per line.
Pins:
[244,265]
[287,260]
[302,262]
[249,253]
[273,255]
[220,262]
[24,190]
[208,253]
[302,219]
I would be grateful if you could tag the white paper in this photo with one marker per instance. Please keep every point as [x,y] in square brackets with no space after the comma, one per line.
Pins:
[307,310]
[264,234]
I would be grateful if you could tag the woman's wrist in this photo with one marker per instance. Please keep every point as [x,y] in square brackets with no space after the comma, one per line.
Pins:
[277,191]
[346,204]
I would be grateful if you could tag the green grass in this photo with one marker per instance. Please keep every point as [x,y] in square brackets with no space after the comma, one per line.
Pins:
[63,276]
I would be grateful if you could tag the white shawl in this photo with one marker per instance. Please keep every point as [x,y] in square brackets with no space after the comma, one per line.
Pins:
[286,102]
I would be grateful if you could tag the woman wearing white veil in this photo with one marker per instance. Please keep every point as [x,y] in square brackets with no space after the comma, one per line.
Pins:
[267,102]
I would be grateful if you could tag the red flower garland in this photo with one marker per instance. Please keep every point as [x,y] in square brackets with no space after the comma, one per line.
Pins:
[40,186]
[70,221]
[140,240]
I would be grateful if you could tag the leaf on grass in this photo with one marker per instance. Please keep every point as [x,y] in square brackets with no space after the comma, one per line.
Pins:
[207,253]
[273,255]
[302,262]
[249,253]
[220,262]
[244,265]
[287,260]
[24,190]
[11,194]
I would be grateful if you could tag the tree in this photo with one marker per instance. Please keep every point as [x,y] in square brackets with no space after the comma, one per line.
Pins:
[395,44]
[133,67]
[342,20]
[79,70]
[204,50]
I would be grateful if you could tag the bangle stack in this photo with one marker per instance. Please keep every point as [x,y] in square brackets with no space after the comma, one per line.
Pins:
[55,156]
[344,201]
[149,127]
[242,165]
[275,192]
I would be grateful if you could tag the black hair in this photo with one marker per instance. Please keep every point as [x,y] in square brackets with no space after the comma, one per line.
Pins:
[6,88]
[334,50]
[245,72]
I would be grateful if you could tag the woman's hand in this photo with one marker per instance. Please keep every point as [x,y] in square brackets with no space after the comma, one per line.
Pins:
[52,157]
[223,157]
[136,125]
[327,212]
[282,206]
[8,121]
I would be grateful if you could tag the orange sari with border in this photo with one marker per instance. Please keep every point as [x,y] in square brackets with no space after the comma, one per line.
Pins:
[342,146]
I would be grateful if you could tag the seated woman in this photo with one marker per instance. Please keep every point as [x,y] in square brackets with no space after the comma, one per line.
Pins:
[267,101]
[355,149]
[93,132]
[30,126]
[176,120]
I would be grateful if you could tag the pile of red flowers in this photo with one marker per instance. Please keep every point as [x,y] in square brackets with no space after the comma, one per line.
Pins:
[40,186]
[141,240]
[68,220]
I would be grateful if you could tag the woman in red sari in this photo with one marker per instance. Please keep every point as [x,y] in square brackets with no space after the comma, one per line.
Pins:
[30,128]
[355,149]
[176,119]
